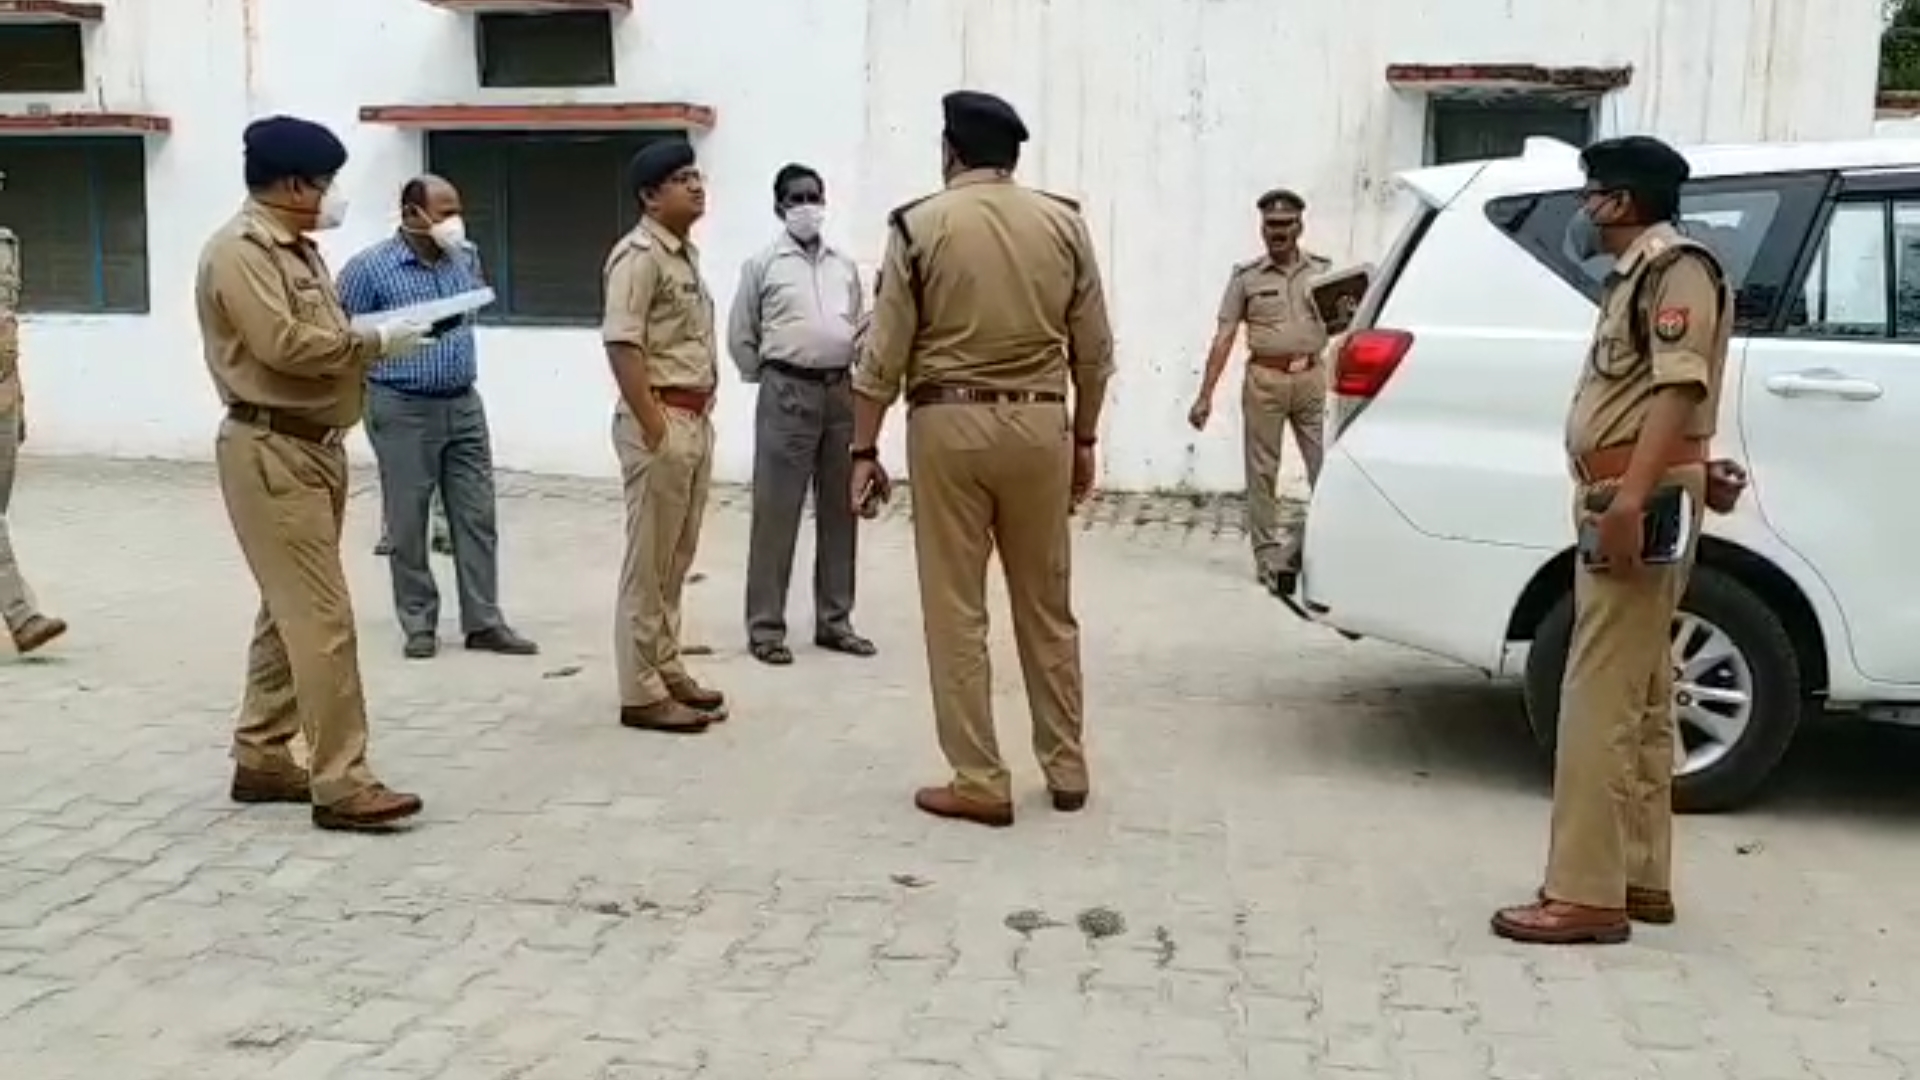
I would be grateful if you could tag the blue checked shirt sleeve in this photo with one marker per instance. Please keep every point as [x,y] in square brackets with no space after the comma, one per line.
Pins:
[358,293]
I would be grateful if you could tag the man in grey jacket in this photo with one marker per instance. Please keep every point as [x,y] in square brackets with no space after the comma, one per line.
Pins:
[791,332]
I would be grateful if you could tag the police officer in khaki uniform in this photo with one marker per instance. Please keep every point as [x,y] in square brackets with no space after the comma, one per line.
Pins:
[29,629]
[989,306]
[1643,414]
[1284,383]
[292,374]
[659,334]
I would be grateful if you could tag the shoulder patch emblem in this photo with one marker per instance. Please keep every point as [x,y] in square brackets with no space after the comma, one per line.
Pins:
[1671,324]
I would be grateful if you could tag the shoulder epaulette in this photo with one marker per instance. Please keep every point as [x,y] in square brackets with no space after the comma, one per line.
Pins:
[900,212]
[1243,267]
[1061,199]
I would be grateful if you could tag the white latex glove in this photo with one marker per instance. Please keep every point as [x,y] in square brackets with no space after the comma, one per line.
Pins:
[402,336]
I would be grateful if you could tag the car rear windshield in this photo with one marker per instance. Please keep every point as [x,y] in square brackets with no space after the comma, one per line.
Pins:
[1757,225]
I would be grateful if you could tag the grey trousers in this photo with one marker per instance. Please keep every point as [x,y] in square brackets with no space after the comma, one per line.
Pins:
[802,432]
[16,600]
[426,445]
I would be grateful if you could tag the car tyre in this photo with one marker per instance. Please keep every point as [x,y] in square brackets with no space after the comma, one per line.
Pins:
[1777,704]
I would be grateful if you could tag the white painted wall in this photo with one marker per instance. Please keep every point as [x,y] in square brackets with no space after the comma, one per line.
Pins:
[1164,116]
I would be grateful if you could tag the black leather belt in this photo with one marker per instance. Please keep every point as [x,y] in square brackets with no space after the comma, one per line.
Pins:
[291,426]
[826,376]
[973,395]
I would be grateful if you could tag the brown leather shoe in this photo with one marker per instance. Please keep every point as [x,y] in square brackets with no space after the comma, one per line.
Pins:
[669,716]
[255,786]
[945,802]
[37,632]
[1651,906]
[373,809]
[1551,922]
[711,704]
[1068,802]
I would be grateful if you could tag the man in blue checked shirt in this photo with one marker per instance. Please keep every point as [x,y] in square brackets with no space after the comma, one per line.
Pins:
[428,426]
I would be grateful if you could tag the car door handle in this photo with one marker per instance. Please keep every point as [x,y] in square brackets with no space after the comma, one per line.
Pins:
[1823,383]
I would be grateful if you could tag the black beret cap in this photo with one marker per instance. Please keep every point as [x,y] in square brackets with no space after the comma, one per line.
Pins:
[973,115]
[1634,161]
[287,147]
[656,162]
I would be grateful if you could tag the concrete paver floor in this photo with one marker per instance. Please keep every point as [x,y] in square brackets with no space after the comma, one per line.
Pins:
[1286,870]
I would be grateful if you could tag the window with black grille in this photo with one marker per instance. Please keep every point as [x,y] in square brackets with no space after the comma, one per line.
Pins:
[42,58]
[543,209]
[1474,130]
[569,48]
[79,206]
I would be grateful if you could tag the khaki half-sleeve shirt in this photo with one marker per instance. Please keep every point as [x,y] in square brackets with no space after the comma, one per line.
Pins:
[1686,312]
[657,302]
[271,324]
[1010,299]
[1276,303]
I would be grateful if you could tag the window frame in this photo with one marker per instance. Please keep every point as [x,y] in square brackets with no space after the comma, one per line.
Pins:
[1778,262]
[1886,187]
[95,249]
[494,242]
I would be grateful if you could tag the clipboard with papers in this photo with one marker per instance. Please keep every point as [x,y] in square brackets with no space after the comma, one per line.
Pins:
[429,313]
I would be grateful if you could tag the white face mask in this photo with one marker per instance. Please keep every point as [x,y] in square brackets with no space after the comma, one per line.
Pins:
[803,221]
[333,210]
[450,233]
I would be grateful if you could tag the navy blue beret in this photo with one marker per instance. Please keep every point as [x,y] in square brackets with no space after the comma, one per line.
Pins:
[972,115]
[656,162]
[286,147]
[1634,161]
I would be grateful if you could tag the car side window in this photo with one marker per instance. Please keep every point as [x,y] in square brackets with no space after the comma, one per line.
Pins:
[1756,225]
[1844,293]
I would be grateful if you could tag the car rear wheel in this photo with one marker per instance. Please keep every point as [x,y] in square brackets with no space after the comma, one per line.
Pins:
[1737,696]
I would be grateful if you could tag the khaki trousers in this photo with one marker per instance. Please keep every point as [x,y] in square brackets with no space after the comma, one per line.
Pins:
[666,496]
[1613,765]
[986,476]
[16,600]
[1269,401]
[287,499]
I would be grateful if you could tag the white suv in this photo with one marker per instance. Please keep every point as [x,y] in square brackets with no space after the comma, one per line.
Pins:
[1441,520]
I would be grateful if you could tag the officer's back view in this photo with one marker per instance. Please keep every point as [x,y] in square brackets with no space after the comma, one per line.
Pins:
[989,306]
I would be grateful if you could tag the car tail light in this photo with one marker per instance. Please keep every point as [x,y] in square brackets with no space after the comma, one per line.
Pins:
[1367,360]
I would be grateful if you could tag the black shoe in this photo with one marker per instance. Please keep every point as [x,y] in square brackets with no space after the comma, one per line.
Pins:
[421,647]
[502,641]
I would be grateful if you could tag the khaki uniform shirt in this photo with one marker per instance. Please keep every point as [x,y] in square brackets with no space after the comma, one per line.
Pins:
[11,396]
[1011,296]
[1687,316]
[656,302]
[1276,303]
[272,327]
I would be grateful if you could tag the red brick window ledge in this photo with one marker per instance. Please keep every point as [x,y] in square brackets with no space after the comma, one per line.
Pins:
[530,7]
[84,123]
[627,115]
[50,11]
[1441,78]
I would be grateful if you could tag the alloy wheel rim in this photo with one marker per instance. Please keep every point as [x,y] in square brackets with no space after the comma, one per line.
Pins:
[1713,692]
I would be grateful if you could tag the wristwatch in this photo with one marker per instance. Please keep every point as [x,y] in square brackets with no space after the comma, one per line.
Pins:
[1086,440]
[865,453]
